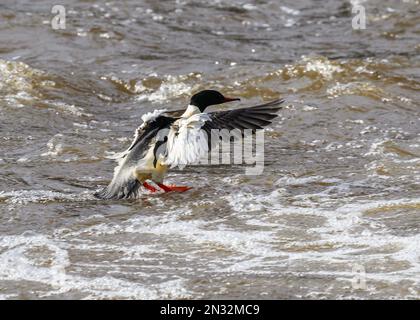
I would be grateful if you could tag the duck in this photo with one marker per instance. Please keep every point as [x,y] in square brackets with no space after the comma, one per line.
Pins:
[167,139]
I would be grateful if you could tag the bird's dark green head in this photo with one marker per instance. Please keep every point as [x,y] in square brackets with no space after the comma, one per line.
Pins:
[206,98]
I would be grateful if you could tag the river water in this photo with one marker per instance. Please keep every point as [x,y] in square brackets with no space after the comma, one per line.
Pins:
[336,212]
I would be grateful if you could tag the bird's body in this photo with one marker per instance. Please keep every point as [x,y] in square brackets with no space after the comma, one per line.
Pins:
[165,141]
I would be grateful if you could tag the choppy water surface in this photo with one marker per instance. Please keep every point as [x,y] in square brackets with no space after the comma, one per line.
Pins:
[340,189]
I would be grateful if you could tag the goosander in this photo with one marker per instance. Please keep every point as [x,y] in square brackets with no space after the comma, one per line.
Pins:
[175,138]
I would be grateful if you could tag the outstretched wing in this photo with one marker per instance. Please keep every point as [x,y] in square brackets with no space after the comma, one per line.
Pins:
[190,139]
[255,117]
[124,185]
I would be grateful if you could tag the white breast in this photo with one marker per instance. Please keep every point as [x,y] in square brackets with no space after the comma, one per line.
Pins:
[191,110]
[187,142]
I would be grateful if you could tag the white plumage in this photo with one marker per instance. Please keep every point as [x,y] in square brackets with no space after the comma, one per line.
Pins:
[150,116]
[187,142]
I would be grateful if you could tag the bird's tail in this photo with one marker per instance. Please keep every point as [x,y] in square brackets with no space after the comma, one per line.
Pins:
[116,190]
[124,184]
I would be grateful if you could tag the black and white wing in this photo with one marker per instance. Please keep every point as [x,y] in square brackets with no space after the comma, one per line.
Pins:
[254,118]
[124,185]
[190,139]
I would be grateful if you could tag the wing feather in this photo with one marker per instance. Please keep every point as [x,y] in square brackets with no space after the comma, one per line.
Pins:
[187,143]
[245,118]
[124,185]
[189,139]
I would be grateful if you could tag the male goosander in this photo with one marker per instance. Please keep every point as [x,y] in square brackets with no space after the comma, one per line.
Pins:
[166,138]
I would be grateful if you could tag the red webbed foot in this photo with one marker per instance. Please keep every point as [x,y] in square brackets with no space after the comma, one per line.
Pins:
[173,188]
[149,187]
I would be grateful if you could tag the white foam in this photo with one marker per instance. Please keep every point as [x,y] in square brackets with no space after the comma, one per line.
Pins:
[341,234]
[265,239]
[291,11]
[322,66]
[292,181]
[150,116]
[171,87]
[16,264]
[23,197]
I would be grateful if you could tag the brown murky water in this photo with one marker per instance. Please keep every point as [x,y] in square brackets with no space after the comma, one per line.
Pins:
[336,213]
